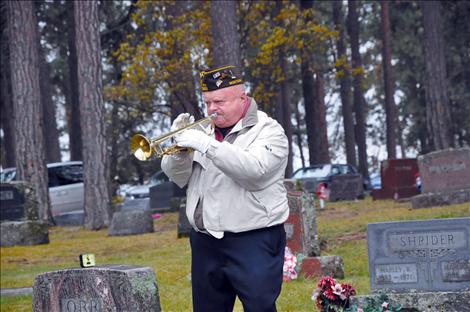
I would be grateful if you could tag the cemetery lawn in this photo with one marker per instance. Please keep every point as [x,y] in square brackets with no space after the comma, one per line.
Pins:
[341,226]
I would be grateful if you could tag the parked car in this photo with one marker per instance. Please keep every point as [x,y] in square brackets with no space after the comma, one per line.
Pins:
[65,187]
[158,189]
[375,181]
[313,175]
[143,190]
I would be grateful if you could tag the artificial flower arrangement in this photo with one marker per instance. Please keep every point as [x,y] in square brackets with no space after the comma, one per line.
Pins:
[331,296]
[290,263]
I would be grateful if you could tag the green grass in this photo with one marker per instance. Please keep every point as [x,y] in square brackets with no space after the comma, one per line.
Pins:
[342,225]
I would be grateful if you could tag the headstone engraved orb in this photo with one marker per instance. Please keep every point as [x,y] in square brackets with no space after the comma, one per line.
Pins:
[429,255]
[97,289]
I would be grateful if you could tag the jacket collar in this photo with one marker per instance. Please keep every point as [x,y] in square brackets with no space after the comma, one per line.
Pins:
[250,119]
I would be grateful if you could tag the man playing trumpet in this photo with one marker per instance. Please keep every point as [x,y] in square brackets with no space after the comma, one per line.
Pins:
[236,200]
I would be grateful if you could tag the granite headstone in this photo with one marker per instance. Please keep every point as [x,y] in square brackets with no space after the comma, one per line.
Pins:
[301,226]
[426,255]
[346,187]
[17,202]
[398,179]
[131,222]
[184,227]
[97,289]
[445,177]
[20,224]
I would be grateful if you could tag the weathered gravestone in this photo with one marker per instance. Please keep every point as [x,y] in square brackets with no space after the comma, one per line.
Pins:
[184,227]
[17,202]
[445,177]
[20,224]
[398,179]
[98,289]
[131,222]
[346,187]
[136,204]
[302,238]
[301,226]
[414,258]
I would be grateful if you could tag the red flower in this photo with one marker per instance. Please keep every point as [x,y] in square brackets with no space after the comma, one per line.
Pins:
[348,290]
[326,283]
[329,294]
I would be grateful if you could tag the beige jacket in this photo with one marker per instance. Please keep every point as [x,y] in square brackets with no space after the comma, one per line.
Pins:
[239,180]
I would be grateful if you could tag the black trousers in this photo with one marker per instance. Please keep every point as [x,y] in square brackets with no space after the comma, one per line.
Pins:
[247,265]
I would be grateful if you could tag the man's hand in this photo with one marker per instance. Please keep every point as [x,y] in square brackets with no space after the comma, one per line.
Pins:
[182,120]
[194,139]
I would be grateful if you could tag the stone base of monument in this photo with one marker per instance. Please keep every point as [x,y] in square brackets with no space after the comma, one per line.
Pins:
[103,288]
[131,223]
[441,198]
[70,219]
[24,233]
[316,267]
[425,302]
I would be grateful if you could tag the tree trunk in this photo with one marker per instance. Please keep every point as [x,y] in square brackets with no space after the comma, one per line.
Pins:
[298,135]
[75,131]
[30,161]
[320,125]
[182,98]
[8,158]
[51,133]
[438,118]
[345,86]
[286,114]
[359,102]
[225,34]
[390,108]
[92,115]
[308,87]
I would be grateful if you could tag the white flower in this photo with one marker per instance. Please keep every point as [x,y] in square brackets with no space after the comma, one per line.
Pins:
[338,290]
[315,294]
[385,305]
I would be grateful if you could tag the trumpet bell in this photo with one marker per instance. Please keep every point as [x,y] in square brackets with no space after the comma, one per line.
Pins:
[141,147]
[144,149]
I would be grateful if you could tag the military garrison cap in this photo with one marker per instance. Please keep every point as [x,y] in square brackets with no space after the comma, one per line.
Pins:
[218,78]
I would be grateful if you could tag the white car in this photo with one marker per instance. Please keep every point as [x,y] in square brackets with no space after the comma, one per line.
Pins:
[65,189]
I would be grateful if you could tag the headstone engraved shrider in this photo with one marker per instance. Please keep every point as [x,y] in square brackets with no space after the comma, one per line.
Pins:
[416,262]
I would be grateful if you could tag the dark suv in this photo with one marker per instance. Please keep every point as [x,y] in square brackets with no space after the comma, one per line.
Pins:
[313,175]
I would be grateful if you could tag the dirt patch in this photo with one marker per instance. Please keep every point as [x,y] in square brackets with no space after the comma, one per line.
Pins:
[350,237]
[336,213]
[165,228]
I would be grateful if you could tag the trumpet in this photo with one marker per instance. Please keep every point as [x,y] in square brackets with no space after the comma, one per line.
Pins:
[144,148]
